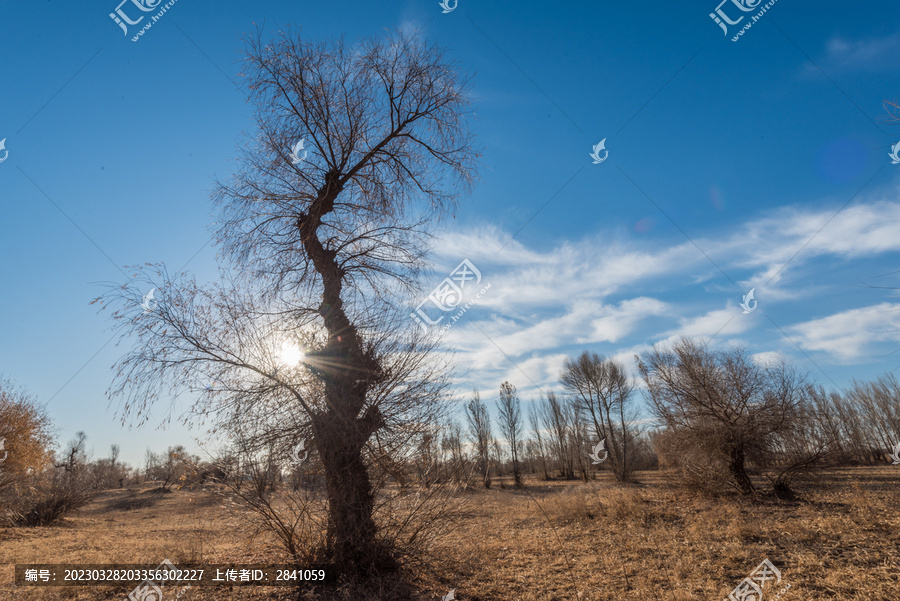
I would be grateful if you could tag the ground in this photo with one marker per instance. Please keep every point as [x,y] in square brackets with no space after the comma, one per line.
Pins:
[549,541]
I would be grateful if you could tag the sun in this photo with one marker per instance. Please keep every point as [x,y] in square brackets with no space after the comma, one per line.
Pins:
[291,354]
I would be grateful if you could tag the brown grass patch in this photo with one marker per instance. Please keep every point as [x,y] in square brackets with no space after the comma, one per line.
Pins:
[551,541]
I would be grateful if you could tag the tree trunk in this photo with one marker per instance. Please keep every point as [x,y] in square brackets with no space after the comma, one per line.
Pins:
[340,433]
[517,471]
[739,473]
[543,460]
[351,531]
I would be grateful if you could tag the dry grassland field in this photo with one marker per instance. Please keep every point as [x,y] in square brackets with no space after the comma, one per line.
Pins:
[550,541]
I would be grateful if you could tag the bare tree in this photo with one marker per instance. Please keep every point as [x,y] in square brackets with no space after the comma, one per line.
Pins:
[151,463]
[877,403]
[481,435]
[557,417]
[325,243]
[498,460]
[604,392]
[75,454]
[534,420]
[108,472]
[426,460]
[452,444]
[722,404]
[578,437]
[510,411]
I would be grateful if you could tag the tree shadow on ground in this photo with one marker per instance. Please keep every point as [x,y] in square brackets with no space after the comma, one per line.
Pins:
[132,501]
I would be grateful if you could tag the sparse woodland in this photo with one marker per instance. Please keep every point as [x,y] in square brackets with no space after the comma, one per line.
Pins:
[758,438]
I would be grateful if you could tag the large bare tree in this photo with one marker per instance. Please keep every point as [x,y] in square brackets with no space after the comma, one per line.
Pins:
[322,242]
[604,392]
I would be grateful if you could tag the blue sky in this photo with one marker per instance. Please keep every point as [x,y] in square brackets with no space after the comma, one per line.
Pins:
[761,163]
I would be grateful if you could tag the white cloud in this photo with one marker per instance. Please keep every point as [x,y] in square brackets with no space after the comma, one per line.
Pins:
[546,303]
[718,322]
[590,269]
[772,246]
[849,335]
[581,322]
[767,357]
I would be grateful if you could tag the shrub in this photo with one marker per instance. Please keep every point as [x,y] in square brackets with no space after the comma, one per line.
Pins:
[47,499]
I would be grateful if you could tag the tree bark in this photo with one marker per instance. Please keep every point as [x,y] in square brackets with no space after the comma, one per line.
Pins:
[351,533]
[739,473]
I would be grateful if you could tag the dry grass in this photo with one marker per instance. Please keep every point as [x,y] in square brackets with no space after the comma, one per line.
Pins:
[551,541]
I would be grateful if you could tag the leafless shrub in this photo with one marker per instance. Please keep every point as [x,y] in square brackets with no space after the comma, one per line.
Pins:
[694,459]
[49,498]
[412,520]
[295,516]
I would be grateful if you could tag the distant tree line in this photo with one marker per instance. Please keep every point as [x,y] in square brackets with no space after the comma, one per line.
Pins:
[716,419]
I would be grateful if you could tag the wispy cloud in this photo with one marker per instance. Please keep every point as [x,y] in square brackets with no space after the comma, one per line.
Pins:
[867,53]
[853,334]
[547,303]
[843,55]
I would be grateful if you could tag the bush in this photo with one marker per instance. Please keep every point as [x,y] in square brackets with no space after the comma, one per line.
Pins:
[46,500]
[696,463]
[25,437]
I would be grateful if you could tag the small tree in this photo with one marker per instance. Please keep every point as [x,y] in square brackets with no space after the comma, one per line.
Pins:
[578,438]
[534,420]
[152,462]
[604,393]
[174,466]
[722,404]
[452,445]
[510,411]
[558,420]
[481,436]
[426,461]
[74,458]
[109,472]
